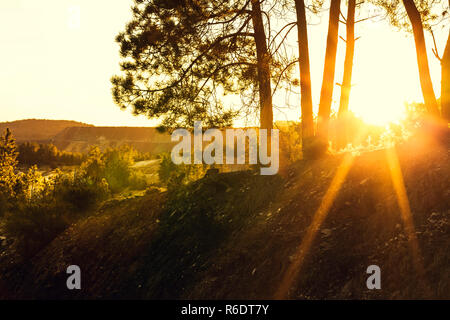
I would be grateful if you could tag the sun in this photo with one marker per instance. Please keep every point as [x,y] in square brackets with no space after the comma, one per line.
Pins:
[381,113]
[378,108]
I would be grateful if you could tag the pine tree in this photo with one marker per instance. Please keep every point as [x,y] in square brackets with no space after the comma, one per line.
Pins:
[8,164]
[305,78]
[417,16]
[326,93]
[176,55]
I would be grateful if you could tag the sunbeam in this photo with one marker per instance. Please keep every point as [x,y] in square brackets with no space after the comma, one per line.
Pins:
[318,218]
[405,211]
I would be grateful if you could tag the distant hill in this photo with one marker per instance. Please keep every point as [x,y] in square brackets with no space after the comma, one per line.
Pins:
[36,130]
[79,137]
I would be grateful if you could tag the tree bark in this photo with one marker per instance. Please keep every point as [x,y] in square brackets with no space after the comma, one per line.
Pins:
[348,62]
[445,82]
[346,85]
[422,59]
[326,93]
[305,76]
[263,65]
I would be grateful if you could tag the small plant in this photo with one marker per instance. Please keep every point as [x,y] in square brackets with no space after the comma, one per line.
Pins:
[138,180]
[113,166]
[290,142]
[173,176]
[49,207]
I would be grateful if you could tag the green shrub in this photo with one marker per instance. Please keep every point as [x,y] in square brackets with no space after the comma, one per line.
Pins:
[78,193]
[37,218]
[36,210]
[113,165]
[94,166]
[138,180]
[8,165]
[173,175]
[290,143]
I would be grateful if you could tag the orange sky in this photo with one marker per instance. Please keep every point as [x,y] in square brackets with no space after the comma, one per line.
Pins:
[58,55]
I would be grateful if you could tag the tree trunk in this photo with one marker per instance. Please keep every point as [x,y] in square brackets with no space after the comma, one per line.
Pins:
[422,59]
[326,93]
[263,65]
[445,82]
[348,62]
[305,76]
[346,85]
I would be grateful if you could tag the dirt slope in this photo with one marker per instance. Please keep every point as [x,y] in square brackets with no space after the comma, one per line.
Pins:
[236,235]
[363,227]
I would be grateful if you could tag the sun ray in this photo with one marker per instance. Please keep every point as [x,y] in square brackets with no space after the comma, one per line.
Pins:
[317,220]
[405,211]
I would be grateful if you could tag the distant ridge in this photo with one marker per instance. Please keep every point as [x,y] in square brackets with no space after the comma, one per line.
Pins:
[38,130]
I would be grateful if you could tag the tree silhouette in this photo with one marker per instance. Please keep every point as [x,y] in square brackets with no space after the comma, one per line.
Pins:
[263,66]
[420,14]
[8,164]
[346,85]
[177,54]
[422,59]
[326,93]
[445,82]
[305,77]
[348,62]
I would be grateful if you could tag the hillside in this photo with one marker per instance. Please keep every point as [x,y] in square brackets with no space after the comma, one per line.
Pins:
[37,130]
[239,235]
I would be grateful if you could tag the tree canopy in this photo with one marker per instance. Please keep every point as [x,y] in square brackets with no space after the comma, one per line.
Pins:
[178,55]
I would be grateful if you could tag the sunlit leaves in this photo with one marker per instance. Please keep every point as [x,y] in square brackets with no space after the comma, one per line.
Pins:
[175,56]
[431,12]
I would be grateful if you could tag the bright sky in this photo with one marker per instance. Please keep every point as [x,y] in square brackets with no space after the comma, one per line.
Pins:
[385,72]
[58,56]
[57,59]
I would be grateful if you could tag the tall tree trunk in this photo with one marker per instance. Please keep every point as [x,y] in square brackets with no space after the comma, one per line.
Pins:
[263,65]
[422,59]
[305,77]
[445,82]
[326,92]
[348,62]
[342,134]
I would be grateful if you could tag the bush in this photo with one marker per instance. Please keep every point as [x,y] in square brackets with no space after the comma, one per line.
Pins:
[78,193]
[44,213]
[113,165]
[172,175]
[36,210]
[138,180]
[290,143]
